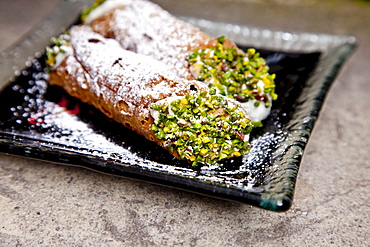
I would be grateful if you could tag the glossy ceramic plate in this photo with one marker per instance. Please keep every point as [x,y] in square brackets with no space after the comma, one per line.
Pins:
[40,121]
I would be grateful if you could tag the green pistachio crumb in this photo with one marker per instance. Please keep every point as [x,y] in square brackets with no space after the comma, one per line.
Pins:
[57,46]
[203,128]
[233,72]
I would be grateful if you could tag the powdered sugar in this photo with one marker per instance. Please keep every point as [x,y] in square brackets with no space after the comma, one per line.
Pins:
[117,74]
[145,28]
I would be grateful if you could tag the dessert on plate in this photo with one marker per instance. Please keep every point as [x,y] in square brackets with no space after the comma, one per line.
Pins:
[186,117]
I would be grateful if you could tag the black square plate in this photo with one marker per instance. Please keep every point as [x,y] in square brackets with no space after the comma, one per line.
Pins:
[40,121]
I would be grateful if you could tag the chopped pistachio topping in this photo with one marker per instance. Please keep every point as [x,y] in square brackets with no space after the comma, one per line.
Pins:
[234,73]
[88,10]
[60,45]
[203,128]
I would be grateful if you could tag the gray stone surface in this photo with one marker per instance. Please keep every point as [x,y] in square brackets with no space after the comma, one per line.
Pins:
[44,204]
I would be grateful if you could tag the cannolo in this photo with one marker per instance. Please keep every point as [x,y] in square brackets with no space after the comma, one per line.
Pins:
[183,116]
[145,28]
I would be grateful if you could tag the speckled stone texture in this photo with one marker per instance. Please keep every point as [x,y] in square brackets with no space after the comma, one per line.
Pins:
[44,204]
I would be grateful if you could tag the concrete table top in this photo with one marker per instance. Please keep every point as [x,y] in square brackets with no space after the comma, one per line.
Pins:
[44,204]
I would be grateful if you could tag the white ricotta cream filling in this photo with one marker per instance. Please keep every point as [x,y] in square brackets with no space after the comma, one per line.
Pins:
[105,8]
[167,101]
[62,55]
[260,112]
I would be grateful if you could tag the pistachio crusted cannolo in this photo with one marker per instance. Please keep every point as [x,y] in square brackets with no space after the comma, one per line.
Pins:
[183,116]
[145,28]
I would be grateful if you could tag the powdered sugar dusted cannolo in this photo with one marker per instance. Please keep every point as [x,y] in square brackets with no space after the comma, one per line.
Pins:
[181,115]
[145,28]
